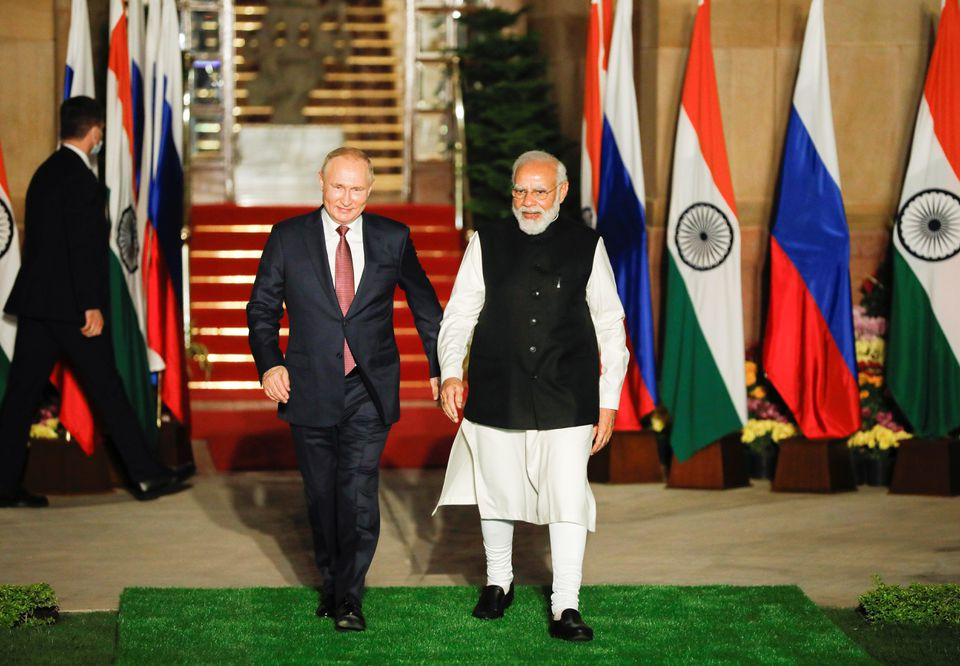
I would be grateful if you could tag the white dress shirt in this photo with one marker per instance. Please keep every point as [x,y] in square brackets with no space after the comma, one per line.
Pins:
[606,311]
[83,155]
[331,239]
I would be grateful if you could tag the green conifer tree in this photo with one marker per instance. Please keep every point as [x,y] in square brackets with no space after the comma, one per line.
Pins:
[507,106]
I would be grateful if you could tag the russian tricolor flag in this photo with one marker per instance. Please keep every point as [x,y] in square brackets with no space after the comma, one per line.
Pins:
[620,219]
[135,41]
[808,351]
[162,256]
[78,75]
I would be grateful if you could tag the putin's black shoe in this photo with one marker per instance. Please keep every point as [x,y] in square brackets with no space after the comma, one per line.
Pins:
[493,601]
[571,627]
[348,616]
[20,498]
[326,607]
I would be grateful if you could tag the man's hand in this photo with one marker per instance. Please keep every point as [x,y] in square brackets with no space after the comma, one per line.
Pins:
[604,429]
[435,387]
[93,325]
[276,384]
[451,398]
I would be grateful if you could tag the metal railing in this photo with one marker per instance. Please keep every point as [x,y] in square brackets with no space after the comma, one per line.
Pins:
[461,185]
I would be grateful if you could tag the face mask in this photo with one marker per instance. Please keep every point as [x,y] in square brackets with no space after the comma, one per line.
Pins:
[96,149]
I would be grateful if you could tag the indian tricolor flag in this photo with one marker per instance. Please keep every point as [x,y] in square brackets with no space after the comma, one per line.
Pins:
[923,356]
[599,30]
[703,382]
[127,319]
[9,267]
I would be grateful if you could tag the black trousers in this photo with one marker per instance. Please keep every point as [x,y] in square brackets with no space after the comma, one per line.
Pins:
[341,471]
[40,343]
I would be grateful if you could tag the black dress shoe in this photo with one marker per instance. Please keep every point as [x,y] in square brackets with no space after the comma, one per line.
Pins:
[349,617]
[570,627]
[184,471]
[493,601]
[326,607]
[150,489]
[20,499]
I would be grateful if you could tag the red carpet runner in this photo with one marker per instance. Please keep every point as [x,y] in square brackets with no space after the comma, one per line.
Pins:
[230,411]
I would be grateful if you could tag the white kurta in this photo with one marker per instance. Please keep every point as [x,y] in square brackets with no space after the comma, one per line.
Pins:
[537,476]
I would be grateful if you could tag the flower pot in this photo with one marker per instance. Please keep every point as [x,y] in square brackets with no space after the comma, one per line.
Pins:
[861,461]
[878,470]
[762,463]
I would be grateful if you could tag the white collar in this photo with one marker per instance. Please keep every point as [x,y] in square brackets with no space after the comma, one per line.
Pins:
[332,224]
[83,155]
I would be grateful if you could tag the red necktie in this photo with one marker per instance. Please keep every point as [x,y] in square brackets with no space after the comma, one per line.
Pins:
[344,287]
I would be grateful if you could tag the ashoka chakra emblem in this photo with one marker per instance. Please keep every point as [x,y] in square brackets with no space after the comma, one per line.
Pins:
[929,225]
[127,240]
[704,236]
[6,227]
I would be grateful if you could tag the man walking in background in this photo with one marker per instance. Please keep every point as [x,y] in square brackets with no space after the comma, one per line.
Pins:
[547,362]
[60,299]
[338,385]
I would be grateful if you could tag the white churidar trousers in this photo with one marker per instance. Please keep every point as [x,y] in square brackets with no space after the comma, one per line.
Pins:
[537,476]
[567,543]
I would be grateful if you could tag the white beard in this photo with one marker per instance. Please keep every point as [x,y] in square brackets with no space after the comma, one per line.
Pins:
[547,217]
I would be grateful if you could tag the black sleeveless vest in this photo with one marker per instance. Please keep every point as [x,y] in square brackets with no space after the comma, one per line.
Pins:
[534,362]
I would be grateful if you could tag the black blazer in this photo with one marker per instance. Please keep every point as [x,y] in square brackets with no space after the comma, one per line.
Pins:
[63,270]
[294,270]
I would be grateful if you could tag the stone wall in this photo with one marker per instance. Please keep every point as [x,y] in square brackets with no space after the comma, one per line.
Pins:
[877,51]
[33,48]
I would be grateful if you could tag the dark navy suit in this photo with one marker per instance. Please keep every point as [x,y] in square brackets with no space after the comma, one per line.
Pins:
[340,424]
[63,274]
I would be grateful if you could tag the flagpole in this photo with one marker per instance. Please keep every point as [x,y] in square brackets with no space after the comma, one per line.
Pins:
[159,399]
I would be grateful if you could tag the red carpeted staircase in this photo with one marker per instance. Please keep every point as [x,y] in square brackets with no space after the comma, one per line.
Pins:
[230,411]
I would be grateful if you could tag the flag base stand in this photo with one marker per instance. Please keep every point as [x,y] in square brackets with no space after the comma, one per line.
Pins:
[173,446]
[56,466]
[927,467]
[718,466]
[630,457]
[814,466]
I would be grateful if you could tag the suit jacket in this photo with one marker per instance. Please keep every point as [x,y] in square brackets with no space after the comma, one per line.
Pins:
[63,271]
[294,269]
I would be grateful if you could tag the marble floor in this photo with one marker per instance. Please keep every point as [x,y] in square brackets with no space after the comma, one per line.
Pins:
[249,529]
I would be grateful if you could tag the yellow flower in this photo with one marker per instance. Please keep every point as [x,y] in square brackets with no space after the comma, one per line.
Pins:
[878,437]
[870,350]
[864,394]
[783,431]
[750,368]
[758,392]
[45,430]
[658,421]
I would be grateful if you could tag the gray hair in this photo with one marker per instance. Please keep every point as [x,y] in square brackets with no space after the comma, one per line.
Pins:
[347,151]
[539,156]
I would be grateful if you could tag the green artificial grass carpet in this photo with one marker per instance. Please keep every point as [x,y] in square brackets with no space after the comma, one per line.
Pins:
[647,624]
[76,638]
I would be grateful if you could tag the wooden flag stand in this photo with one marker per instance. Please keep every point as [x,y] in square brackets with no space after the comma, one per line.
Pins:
[630,457]
[718,466]
[58,466]
[814,466]
[927,467]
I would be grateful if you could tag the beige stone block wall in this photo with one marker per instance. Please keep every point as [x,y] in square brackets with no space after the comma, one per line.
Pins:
[877,50]
[28,106]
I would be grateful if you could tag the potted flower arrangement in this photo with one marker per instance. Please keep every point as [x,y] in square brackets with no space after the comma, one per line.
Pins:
[875,445]
[766,424]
